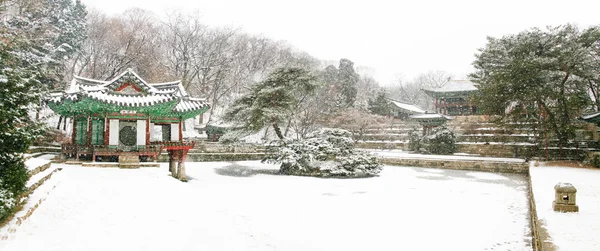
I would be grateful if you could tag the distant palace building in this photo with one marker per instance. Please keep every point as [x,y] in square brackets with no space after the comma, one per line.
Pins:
[453,98]
[401,110]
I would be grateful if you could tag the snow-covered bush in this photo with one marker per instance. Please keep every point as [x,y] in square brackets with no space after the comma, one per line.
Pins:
[441,141]
[415,140]
[324,153]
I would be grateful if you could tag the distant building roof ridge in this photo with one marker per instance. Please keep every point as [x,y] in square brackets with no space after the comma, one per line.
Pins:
[455,85]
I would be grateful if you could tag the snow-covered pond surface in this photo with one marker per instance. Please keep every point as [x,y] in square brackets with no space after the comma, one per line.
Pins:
[245,206]
[569,231]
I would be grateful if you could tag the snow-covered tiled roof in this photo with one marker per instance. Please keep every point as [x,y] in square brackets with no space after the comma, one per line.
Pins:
[590,116]
[150,94]
[129,100]
[455,86]
[430,116]
[189,105]
[408,107]
[176,85]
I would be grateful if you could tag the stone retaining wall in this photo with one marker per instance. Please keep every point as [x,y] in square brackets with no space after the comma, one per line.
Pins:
[536,241]
[201,157]
[486,166]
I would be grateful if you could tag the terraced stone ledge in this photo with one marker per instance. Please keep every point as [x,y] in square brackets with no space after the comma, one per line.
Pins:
[470,165]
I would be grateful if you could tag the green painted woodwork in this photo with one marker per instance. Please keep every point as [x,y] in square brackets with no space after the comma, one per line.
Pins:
[98,132]
[81,131]
[459,94]
[90,106]
[87,106]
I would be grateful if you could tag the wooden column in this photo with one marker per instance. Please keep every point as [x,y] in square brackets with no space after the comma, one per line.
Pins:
[74,134]
[148,131]
[106,131]
[180,132]
[470,108]
[88,141]
[437,105]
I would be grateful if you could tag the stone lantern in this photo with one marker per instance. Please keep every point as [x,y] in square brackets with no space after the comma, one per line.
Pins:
[564,199]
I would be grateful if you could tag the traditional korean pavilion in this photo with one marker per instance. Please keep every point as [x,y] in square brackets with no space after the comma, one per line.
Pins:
[403,110]
[453,98]
[430,121]
[127,118]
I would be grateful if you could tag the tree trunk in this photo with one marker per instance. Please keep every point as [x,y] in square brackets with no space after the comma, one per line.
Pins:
[59,121]
[277,130]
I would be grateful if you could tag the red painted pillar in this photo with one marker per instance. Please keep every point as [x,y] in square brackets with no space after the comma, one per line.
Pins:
[74,134]
[180,132]
[88,141]
[106,131]
[148,131]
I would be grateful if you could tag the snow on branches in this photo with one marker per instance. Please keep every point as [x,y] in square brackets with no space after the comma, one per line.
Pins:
[324,153]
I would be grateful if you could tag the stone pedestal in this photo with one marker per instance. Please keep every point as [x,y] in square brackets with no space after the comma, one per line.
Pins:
[565,198]
[129,161]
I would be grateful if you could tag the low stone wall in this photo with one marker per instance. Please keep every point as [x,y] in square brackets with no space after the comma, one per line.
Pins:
[215,147]
[486,166]
[536,237]
[202,157]
[381,145]
[44,149]
[39,169]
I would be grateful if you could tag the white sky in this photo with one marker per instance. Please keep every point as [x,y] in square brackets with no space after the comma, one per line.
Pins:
[394,38]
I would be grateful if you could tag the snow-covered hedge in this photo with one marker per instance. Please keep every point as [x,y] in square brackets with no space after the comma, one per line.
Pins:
[324,153]
[441,141]
[415,140]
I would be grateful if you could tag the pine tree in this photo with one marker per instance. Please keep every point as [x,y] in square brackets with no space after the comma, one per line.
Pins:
[21,87]
[271,101]
[346,81]
[539,76]
[380,105]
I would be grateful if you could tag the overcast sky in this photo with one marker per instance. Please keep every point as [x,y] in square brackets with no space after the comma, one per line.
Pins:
[394,38]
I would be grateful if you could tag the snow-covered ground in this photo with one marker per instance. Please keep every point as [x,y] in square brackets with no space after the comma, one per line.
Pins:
[569,231]
[246,206]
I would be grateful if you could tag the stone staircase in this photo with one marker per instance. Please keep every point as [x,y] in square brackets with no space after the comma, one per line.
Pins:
[391,135]
[478,136]
[39,186]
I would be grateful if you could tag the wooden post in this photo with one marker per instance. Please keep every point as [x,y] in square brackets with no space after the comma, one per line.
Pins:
[180,132]
[148,131]
[74,134]
[106,131]
[88,141]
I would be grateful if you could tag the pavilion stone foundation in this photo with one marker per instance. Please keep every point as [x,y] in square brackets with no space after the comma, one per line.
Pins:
[565,198]
[129,161]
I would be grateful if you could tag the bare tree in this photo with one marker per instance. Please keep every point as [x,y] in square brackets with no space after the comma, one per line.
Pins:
[412,92]
[117,43]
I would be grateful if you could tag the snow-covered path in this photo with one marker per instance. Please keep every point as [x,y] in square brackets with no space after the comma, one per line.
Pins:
[569,231]
[244,206]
